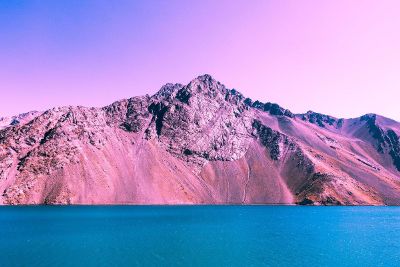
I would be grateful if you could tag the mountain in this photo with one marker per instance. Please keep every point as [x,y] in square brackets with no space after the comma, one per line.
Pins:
[198,143]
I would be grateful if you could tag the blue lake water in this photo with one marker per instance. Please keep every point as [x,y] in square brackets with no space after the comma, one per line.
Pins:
[199,236]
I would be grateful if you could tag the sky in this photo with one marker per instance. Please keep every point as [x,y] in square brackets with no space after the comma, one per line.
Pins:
[335,57]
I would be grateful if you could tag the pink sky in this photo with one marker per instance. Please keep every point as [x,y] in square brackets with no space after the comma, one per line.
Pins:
[336,57]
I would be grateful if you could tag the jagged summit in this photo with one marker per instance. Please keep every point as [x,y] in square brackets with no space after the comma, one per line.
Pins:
[198,143]
[203,85]
[168,91]
[207,80]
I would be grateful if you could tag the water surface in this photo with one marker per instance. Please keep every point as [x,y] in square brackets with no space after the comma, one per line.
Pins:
[199,236]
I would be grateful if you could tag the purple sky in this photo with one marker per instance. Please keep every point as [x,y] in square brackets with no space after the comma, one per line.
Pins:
[336,57]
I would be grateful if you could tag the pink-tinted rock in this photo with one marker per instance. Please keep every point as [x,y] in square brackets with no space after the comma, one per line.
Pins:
[193,144]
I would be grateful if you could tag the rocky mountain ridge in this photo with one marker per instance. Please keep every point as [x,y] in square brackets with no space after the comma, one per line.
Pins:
[195,144]
[18,119]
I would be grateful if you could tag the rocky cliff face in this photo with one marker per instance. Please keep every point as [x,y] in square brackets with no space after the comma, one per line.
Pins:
[198,143]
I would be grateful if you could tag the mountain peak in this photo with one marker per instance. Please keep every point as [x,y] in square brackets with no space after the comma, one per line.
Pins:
[202,86]
[167,91]
[197,143]
[205,78]
[206,81]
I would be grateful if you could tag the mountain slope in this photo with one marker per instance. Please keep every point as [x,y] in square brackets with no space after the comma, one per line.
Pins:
[198,143]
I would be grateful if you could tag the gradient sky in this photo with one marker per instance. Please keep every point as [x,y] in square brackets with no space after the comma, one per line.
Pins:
[335,57]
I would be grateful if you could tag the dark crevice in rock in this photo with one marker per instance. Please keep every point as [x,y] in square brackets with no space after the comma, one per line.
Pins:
[132,126]
[269,138]
[187,152]
[394,148]
[305,202]
[388,141]
[331,201]
[158,110]
[183,96]
[48,135]
[23,160]
[375,131]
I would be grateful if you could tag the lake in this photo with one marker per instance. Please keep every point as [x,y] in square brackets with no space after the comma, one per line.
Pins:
[199,236]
